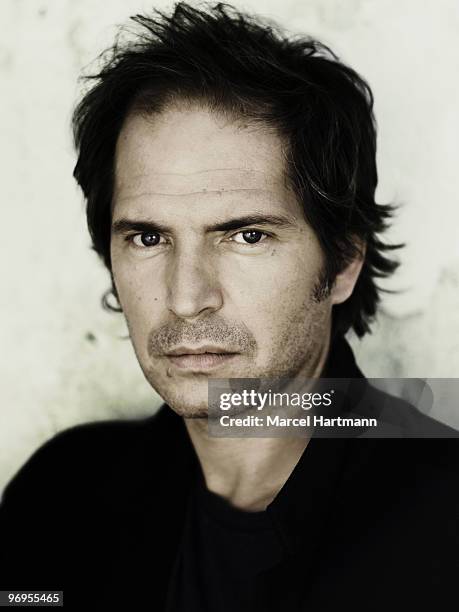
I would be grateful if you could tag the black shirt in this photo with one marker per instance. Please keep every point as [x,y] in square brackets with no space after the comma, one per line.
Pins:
[222,550]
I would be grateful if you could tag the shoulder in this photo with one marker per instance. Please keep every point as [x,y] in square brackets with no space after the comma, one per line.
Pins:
[421,472]
[85,454]
[81,487]
[413,458]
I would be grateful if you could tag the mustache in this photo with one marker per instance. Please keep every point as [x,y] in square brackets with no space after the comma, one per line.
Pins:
[234,336]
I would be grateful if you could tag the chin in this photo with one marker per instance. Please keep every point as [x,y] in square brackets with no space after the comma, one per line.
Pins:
[189,403]
[189,411]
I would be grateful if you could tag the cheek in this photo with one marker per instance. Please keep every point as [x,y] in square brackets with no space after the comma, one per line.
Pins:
[272,295]
[140,299]
[137,285]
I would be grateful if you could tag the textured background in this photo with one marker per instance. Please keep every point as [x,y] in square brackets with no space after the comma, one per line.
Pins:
[63,359]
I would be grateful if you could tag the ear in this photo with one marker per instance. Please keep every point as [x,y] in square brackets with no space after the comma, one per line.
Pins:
[114,292]
[345,281]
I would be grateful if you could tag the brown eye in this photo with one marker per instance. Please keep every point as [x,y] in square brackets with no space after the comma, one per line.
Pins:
[147,239]
[249,237]
[252,236]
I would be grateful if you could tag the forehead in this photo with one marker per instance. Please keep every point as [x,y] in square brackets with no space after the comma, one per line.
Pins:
[188,152]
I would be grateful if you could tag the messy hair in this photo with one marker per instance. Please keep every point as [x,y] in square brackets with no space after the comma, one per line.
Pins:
[239,64]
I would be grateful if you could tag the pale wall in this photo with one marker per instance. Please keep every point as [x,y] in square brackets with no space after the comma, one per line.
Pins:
[54,374]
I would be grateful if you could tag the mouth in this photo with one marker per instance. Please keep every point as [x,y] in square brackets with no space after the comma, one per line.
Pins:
[200,358]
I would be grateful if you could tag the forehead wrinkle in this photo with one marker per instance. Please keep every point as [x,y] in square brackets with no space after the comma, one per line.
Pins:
[243,171]
[188,193]
[227,176]
[247,171]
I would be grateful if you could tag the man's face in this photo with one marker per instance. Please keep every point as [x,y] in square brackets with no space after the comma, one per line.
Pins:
[210,252]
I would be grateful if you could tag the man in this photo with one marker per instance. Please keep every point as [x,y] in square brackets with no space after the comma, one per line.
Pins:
[229,174]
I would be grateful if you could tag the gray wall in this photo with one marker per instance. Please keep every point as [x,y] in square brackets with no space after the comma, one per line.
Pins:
[62,359]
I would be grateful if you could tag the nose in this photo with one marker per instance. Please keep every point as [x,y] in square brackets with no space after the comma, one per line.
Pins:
[192,284]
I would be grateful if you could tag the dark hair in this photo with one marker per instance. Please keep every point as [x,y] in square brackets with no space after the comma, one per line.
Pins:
[241,65]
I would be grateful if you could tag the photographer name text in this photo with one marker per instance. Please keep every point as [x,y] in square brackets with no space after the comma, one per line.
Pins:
[306,421]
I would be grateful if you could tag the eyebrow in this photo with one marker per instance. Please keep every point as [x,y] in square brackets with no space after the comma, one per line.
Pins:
[124,224]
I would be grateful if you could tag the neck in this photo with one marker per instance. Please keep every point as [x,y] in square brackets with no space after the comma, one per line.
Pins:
[248,472]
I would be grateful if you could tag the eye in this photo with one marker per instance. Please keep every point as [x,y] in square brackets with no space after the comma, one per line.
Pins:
[249,237]
[146,239]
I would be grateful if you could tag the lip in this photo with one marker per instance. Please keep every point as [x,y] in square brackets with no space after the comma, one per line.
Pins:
[202,358]
[199,350]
